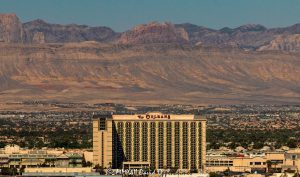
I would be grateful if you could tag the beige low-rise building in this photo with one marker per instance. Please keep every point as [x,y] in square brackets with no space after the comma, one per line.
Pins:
[241,163]
[292,160]
[15,157]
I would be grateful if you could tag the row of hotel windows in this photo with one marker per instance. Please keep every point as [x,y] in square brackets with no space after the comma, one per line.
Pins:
[161,142]
[230,163]
[219,163]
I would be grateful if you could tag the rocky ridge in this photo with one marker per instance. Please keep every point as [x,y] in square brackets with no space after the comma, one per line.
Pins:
[289,43]
[248,37]
[56,33]
[11,30]
[155,33]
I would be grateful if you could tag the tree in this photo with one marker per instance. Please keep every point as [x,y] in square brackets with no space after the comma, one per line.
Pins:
[89,164]
[284,175]
[2,145]
[275,164]
[173,170]
[233,145]
[83,161]
[194,171]
[292,143]
[214,174]
[99,169]
[269,165]
[258,145]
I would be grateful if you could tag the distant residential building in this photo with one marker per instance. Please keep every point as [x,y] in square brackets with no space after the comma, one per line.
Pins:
[292,160]
[12,149]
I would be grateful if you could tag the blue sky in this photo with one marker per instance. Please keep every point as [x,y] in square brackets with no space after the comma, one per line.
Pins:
[122,15]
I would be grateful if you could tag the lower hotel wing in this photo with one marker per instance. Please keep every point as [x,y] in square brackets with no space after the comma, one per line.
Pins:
[155,140]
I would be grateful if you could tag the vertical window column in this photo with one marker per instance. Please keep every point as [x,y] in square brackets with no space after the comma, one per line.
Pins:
[136,141]
[177,145]
[145,141]
[193,146]
[200,145]
[153,144]
[128,141]
[185,145]
[161,145]
[169,144]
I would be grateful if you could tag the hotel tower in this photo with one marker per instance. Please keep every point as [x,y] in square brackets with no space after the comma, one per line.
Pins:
[156,140]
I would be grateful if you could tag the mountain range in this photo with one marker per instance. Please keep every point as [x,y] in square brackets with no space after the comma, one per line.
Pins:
[249,37]
[153,63]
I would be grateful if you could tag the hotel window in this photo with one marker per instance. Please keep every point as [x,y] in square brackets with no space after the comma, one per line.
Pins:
[177,144]
[145,141]
[200,145]
[152,144]
[169,144]
[161,145]
[120,136]
[102,123]
[128,141]
[185,145]
[120,131]
[136,141]
[193,145]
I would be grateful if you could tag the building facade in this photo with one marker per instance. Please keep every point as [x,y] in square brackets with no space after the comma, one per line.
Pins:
[161,140]
[272,161]
[12,156]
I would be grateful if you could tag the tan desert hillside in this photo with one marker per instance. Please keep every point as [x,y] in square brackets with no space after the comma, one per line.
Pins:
[154,63]
[158,73]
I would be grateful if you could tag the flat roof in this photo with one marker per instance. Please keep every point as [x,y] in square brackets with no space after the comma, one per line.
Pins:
[158,116]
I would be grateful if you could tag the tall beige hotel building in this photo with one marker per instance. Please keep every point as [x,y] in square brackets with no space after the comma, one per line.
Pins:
[160,141]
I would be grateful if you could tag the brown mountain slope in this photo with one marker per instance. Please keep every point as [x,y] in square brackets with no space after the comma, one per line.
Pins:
[165,73]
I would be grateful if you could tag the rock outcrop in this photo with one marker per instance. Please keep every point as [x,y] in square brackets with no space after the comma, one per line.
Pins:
[10,28]
[248,37]
[155,33]
[290,43]
[38,38]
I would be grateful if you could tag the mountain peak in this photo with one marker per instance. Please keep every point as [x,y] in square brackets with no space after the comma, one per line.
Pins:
[38,21]
[155,32]
[8,15]
[10,28]
[251,27]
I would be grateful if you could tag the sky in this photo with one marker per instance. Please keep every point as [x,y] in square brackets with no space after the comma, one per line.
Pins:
[121,15]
